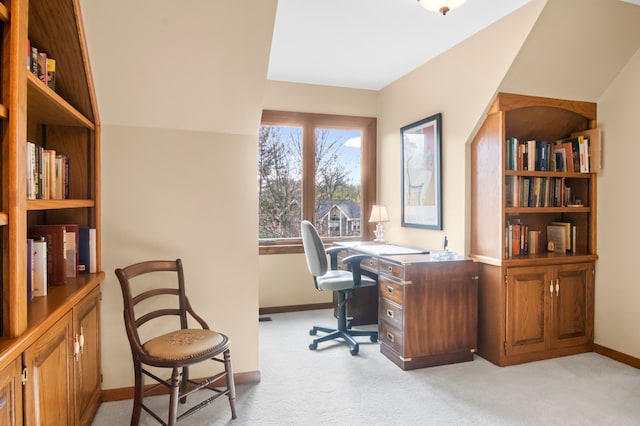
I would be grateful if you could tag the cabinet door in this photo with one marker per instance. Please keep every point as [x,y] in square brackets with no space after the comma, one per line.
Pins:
[11,394]
[86,324]
[527,309]
[48,391]
[573,305]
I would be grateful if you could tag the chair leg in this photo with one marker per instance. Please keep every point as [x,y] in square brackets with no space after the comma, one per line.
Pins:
[184,384]
[230,383]
[138,394]
[173,399]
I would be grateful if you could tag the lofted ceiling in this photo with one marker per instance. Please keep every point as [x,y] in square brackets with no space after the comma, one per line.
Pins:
[368,44]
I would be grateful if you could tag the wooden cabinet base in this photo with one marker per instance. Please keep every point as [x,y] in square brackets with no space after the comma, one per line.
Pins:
[426,361]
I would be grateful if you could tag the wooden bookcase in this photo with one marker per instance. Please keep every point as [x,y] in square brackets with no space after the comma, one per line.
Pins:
[532,306]
[65,120]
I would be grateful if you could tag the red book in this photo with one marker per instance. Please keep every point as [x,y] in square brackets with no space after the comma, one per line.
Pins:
[55,236]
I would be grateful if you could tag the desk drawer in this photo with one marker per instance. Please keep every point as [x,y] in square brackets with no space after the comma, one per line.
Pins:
[390,313]
[391,269]
[391,337]
[390,290]
[370,265]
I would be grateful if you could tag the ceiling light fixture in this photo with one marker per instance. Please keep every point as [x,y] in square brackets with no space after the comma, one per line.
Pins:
[442,6]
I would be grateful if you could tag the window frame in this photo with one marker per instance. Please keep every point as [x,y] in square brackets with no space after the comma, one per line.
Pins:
[309,122]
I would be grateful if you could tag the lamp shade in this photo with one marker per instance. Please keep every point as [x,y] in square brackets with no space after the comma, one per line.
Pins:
[442,6]
[379,214]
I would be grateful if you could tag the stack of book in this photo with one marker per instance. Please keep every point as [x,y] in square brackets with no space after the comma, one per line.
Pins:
[564,155]
[56,253]
[41,65]
[47,174]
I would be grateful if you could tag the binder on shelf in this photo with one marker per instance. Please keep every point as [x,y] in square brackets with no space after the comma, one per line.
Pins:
[86,250]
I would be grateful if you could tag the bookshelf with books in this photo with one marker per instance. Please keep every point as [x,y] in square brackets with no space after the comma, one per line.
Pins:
[63,123]
[534,165]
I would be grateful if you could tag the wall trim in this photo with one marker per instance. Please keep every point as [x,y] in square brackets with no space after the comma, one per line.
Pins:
[294,308]
[618,356]
[120,394]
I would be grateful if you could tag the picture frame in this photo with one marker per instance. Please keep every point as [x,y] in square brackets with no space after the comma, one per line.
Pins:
[422,173]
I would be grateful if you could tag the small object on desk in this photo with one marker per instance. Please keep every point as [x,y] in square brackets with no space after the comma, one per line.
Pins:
[378,215]
[445,243]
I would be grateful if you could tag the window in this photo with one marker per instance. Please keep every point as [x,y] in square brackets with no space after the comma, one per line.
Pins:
[317,167]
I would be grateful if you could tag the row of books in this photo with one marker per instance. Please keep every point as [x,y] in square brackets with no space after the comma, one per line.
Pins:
[564,155]
[56,253]
[520,240]
[47,174]
[529,191]
[41,65]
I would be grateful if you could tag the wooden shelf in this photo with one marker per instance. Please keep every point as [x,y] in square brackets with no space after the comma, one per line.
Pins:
[45,311]
[58,204]
[4,13]
[532,210]
[548,174]
[47,107]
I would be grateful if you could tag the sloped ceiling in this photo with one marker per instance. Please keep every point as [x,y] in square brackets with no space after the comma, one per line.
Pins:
[575,49]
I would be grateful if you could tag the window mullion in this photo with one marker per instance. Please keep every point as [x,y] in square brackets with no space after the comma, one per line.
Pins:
[308,171]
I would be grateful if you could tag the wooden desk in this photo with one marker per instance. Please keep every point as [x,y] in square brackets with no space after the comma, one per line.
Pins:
[427,306]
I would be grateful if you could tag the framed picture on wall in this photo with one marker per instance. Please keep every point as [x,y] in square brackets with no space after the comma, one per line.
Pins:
[422,173]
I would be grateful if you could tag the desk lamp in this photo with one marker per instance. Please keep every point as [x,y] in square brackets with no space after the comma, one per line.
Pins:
[378,215]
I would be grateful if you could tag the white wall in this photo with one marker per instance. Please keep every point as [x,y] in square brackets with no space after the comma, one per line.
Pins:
[617,289]
[180,89]
[460,84]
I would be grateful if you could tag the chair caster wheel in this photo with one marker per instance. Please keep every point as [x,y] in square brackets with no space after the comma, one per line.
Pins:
[374,338]
[354,350]
[313,332]
[313,346]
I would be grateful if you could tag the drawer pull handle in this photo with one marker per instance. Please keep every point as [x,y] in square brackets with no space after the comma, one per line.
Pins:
[390,268]
[370,262]
[390,313]
[390,337]
[389,289]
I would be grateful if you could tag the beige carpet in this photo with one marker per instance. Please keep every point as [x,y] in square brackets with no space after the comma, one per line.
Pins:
[331,387]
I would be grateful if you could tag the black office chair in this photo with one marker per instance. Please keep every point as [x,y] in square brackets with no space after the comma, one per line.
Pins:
[176,350]
[342,282]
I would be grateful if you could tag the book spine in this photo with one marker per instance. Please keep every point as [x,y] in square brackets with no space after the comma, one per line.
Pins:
[40,255]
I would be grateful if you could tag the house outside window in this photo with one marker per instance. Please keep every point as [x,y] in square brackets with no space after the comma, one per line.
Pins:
[316,167]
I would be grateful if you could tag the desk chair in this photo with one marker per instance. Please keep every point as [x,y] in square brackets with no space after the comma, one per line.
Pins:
[342,282]
[176,350]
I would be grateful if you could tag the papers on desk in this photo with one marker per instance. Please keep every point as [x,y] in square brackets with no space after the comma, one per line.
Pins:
[387,249]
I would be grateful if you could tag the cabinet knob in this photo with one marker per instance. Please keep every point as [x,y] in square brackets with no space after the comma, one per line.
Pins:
[390,313]
[389,289]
